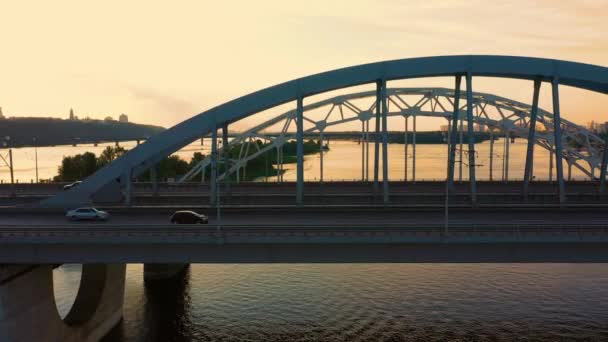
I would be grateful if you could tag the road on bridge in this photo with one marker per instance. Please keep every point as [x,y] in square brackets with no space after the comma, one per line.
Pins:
[354,216]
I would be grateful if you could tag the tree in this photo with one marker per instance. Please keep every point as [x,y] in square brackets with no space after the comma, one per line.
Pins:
[77,167]
[109,155]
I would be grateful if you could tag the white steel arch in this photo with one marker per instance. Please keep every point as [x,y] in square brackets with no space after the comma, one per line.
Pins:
[583,149]
[143,157]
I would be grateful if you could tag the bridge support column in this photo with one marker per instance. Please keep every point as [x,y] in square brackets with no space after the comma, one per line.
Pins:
[363,151]
[603,166]
[551,162]
[226,155]
[531,139]
[461,138]
[385,194]
[471,133]
[454,131]
[414,149]
[29,311]
[367,151]
[321,157]
[557,134]
[507,154]
[377,139]
[491,153]
[405,148]
[163,271]
[154,178]
[300,151]
[213,179]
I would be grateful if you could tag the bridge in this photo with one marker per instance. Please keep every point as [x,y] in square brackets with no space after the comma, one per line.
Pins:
[467,220]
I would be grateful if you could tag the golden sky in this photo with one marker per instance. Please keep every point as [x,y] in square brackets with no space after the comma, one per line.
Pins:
[161,62]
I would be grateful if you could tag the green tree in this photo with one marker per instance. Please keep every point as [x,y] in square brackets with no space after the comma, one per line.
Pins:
[77,167]
[109,155]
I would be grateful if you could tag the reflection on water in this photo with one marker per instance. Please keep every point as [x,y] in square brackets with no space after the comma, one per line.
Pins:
[341,162]
[369,302]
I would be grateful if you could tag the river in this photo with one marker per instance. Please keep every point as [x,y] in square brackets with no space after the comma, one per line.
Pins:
[363,302]
[341,162]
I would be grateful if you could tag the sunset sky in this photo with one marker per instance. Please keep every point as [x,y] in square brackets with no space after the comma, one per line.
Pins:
[162,62]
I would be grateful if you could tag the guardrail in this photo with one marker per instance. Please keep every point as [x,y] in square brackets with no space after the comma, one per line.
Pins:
[301,234]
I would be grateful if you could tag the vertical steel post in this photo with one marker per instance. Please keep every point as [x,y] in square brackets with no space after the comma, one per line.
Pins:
[491,153]
[362,151]
[461,150]
[570,171]
[531,139]
[471,134]
[321,157]
[376,136]
[212,180]
[507,155]
[406,145]
[551,162]
[226,157]
[454,131]
[504,152]
[367,151]
[557,131]
[36,157]
[384,143]
[414,151]
[300,150]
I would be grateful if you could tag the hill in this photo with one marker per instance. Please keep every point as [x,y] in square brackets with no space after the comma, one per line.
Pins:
[51,131]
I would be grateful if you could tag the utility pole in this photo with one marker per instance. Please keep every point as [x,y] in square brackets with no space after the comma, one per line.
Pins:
[36,157]
[10,159]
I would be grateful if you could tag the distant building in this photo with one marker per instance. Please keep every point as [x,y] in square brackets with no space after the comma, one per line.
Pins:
[108,118]
[123,118]
[1,115]
[72,117]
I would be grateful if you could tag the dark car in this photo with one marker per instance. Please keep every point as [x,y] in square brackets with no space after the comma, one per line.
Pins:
[188,217]
[71,185]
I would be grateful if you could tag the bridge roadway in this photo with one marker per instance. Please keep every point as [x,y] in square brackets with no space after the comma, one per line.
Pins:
[347,236]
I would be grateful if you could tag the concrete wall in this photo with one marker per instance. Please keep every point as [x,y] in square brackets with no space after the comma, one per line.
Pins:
[28,311]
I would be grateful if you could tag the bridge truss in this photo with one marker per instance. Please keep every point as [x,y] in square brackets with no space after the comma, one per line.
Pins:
[555,134]
[505,117]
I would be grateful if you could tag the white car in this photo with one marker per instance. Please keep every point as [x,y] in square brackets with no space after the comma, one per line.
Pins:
[87,214]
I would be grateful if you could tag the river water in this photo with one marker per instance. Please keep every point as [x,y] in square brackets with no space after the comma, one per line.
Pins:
[341,162]
[356,302]
[363,302]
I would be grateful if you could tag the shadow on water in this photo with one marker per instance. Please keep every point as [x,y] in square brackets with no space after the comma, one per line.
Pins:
[166,312]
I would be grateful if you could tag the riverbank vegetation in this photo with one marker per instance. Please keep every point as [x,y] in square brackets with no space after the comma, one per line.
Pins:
[80,166]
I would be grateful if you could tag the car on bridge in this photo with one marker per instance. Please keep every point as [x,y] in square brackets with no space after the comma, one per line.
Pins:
[87,213]
[188,217]
[71,185]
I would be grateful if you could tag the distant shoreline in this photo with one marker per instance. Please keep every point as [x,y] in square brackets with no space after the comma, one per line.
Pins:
[48,132]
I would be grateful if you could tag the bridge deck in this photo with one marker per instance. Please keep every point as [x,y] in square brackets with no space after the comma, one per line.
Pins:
[325,237]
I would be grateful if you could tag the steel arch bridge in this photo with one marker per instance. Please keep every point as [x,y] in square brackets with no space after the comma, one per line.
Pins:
[582,149]
[109,181]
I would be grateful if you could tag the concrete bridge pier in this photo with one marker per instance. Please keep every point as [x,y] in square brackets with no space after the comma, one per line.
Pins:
[28,311]
[163,271]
